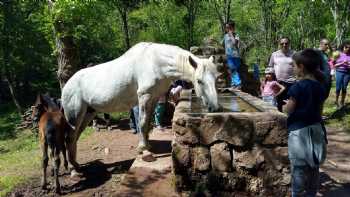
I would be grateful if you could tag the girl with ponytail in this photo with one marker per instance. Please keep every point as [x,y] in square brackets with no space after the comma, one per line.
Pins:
[306,139]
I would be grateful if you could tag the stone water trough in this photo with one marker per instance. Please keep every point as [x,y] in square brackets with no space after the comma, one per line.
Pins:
[240,151]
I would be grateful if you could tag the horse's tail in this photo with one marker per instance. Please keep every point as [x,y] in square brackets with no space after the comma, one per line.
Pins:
[50,134]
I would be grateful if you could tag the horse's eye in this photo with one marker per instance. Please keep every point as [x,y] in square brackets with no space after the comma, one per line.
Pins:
[199,81]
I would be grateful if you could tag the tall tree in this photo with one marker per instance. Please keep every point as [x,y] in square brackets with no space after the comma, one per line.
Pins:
[192,7]
[6,49]
[223,11]
[340,11]
[124,7]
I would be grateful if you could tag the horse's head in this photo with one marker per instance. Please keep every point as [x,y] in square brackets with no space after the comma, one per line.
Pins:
[42,104]
[204,82]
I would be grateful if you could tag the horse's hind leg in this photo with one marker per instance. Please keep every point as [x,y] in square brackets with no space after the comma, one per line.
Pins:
[45,161]
[73,140]
[146,109]
[89,116]
[73,137]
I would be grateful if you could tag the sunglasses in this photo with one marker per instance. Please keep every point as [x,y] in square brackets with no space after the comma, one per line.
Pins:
[284,43]
[347,47]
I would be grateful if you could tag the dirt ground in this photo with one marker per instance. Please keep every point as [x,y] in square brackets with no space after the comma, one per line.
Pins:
[106,156]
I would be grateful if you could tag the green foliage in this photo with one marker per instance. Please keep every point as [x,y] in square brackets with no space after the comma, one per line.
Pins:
[8,120]
[19,159]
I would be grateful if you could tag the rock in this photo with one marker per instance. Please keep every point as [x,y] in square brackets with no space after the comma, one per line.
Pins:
[106,151]
[201,158]
[187,133]
[220,157]
[278,135]
[255,185]
[236,130]
[196,50]
[181,155]
[248,159]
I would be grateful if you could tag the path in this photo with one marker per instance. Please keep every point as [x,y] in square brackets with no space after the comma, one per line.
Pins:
[335,172]
[107,156]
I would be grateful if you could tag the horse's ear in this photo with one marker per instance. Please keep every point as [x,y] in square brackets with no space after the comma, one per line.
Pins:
[192,62]
[38,99]
[43,102]
[211,58]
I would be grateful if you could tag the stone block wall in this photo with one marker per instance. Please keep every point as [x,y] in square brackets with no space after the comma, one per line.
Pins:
[225,153]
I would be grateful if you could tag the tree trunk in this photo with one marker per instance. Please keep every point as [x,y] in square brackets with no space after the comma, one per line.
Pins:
[224,13]
[13,95]
[191,10]
[6,53]
[68,54]
[124,16]
[340,11]
[68,59]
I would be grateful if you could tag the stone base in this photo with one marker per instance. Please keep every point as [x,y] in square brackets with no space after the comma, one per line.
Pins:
[235,152]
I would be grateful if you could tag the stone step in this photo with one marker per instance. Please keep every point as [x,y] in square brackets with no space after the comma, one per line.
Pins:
[151,179]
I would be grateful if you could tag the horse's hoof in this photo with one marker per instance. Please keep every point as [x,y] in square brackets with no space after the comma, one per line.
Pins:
[148,156]
[141,148]
[74,174]
[58,190]
[43,186]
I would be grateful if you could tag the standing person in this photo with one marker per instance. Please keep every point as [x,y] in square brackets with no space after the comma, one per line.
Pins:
[134,119]
[270,88]
[342,75]
[334,57]
[231,43]
[306,138]
[325,67]
[159,112]
[256,70]
[281,61]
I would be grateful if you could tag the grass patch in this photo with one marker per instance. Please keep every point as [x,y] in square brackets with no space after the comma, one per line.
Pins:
[20,154]
[86,133]
[19,160]
[337,118]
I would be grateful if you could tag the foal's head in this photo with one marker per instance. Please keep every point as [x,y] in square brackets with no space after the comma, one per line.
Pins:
[204,82]
[43,104]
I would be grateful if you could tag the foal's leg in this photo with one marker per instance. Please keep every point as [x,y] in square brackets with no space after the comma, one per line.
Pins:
[64,153]
[56,166]
[45,161]
[146,108]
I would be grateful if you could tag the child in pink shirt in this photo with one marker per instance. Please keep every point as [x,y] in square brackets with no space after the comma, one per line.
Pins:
[270,88]
[334,57]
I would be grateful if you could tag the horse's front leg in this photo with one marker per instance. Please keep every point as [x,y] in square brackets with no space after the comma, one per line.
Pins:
[146,109]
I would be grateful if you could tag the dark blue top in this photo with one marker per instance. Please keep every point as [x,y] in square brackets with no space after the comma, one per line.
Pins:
[309,96]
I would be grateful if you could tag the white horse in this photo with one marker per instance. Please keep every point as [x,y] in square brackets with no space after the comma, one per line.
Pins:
[141,75]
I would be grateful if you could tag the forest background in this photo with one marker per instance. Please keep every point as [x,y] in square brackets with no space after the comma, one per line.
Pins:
[40,37]
[45,41]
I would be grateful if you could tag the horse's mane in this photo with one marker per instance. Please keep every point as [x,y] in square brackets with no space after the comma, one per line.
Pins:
[184,66]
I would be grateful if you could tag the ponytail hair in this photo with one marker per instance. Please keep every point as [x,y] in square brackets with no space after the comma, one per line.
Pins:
[312,61]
